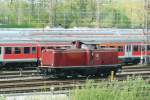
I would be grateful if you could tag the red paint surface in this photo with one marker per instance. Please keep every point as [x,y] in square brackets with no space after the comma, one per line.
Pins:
[78,57]
[105,57]
[139,53]
[47,57]
[148,52]
[20,56]
[88,57]
[59,58]
[121,53]
[136,53]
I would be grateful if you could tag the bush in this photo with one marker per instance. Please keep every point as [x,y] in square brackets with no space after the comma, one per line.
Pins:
[131,89]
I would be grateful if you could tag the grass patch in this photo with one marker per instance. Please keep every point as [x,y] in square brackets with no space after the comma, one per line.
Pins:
[131,89]
[2,97]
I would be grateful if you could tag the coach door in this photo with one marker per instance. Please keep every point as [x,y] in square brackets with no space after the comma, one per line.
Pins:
[1,54]
[128,50]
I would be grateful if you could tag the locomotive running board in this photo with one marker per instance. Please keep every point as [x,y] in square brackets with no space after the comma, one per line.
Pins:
[102,66]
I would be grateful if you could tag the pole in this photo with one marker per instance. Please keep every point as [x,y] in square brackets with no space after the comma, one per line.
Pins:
[19,12]
[97,14]
[146,28]
[112,75]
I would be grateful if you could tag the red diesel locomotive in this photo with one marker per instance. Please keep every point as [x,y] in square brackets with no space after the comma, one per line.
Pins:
[77,61]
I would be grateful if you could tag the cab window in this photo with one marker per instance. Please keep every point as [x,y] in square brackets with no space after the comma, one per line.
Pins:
[8,50]
[26,50]
[17,50]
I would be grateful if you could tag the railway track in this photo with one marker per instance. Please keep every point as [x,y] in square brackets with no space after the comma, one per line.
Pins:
[38,85]
[31,81]
[18,73]
[135,70]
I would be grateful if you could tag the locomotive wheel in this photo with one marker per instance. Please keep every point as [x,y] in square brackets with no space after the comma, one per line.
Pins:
[43,72]
[104,73]
[62,76]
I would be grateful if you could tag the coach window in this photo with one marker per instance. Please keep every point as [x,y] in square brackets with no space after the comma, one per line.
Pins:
[102,46]
[57,47]
[8,50]
[17,50]
[49,47]
[143,48]
[26,50]
[42,48]
[120,48]
[112,47]
[33,50]
[140,47]
[0,50]
[148,47]
[135,48]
